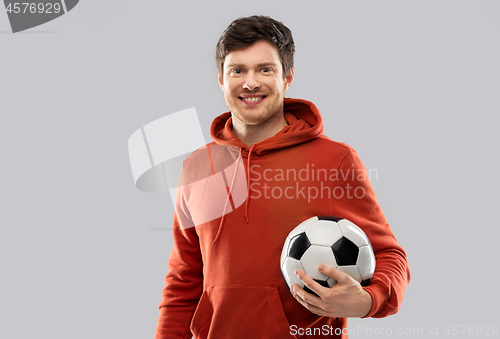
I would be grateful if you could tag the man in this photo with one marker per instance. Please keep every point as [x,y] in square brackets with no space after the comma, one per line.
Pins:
[224,279]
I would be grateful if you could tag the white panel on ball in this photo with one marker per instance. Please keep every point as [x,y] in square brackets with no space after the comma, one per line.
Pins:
[353,232]
[324,233]
[289,266]
[284,251]
[314,256]
[302,227]
[366,262]
[331,281]
[352,271]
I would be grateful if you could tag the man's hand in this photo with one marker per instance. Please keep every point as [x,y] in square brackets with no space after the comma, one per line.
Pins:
[345,299]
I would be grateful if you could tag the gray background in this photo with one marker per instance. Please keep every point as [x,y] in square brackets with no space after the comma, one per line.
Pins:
[412,85]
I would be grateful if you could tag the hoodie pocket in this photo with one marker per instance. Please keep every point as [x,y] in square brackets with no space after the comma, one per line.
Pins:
[240,311]
[200,324]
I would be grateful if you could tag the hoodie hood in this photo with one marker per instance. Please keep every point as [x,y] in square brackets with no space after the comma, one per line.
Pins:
[304,124]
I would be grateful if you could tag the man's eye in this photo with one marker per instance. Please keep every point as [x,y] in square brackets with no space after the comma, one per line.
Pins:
[266,70]
[236,71]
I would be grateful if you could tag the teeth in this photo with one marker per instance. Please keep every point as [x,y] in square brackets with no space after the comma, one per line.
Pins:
[253,99]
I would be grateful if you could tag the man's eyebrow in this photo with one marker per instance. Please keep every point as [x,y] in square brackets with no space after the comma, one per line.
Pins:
[259,65]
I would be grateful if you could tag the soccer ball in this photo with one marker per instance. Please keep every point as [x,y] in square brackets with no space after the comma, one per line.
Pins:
[330,241]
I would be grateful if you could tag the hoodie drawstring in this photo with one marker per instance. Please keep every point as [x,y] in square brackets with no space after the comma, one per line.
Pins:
[248,183]
[223,218]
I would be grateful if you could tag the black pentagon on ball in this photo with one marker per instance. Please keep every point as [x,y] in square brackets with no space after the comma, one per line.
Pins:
[329,217]
[365,282]
[298,245]
[345,252]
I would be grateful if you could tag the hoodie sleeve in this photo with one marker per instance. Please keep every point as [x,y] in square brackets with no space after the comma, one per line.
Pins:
[392,273]
[184,280]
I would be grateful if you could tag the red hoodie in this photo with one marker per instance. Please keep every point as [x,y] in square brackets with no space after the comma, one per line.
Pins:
[224,278]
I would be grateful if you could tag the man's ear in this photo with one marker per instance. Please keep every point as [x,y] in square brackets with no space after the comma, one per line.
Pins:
[221,83]
[289,79]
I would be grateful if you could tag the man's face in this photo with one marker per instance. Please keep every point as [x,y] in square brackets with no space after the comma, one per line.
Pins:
[253,83]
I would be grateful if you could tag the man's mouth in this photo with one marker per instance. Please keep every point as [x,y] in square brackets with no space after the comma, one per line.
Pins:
[252,99]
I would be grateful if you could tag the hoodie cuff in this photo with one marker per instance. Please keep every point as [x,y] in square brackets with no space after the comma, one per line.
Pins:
[379,297]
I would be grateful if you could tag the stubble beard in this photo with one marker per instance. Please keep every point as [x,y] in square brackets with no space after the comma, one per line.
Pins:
[267,114]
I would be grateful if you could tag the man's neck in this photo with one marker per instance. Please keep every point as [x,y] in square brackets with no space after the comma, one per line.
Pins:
[252,134]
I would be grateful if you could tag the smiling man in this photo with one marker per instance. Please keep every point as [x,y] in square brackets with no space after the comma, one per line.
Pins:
[224,278]
[254,88]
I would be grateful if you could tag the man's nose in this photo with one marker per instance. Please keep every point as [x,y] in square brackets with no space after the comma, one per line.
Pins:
[251,81]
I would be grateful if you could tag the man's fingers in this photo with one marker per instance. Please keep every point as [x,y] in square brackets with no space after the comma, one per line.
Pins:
[345,299]
[311,307]
[312,285]
[331,272]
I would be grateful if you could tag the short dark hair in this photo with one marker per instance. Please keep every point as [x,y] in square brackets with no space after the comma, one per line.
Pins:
[244,32]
